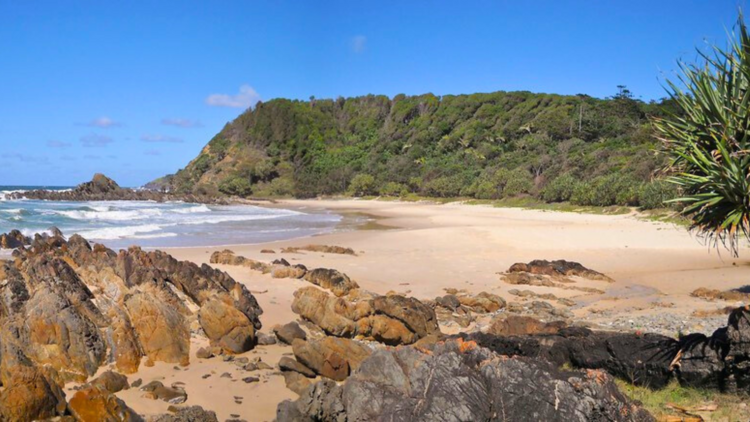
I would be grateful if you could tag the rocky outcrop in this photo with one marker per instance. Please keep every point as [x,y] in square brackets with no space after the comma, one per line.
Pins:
[558,269]
[728,295]
[715,362]
[228,257]
[392,319]
[67,308]
[13,239]
[338,283]
[461,307]
[102,188]
[515,325]
[458,381]
[320,248]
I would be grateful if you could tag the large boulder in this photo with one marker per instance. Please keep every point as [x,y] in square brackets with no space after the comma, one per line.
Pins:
[162,331]
[110,381]
[30,394]
[462,382]
[289,332]
[331,357]
[94,404]
[226,326]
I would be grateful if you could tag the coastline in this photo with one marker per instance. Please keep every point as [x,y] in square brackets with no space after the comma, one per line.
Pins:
[427,248]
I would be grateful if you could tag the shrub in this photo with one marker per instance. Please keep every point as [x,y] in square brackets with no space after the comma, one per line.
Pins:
[582,194]
[654,194]
[443,187]
[362,185]
[236,185]
[484,189]
[280,186]
[560,189]
[628,192]
[517,182]
[393,189]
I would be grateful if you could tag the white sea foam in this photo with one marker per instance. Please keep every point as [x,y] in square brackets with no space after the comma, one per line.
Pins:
[122,232]
[192,210]
[121,215]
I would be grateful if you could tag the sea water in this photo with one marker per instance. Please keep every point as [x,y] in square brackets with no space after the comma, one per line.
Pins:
[119,224]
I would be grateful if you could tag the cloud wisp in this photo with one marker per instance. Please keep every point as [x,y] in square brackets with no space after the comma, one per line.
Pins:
[359,43]
[96,141]
[247,97]
[186,123]
[58,144]
[103,122]
[152,152]
[161,139]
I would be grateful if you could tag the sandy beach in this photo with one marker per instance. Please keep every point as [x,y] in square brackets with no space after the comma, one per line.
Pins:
[421,249]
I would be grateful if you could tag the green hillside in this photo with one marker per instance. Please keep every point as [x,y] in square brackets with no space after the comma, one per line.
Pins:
[557,148]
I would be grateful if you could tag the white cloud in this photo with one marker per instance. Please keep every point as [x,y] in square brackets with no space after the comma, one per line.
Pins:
[152,152]
[103,122]
[58,144]
[246,98]
[181,122]
[161,139]
[359,43]
[93,140]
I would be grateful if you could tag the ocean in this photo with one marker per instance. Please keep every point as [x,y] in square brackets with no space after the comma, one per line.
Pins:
[119,224]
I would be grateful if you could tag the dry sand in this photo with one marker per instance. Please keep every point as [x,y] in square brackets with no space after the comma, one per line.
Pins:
[421,249]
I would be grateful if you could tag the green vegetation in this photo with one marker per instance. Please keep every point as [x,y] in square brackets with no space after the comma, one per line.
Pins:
[668,401]
[486,146]
[708,142]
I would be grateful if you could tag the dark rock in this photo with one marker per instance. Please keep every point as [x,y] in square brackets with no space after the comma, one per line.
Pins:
[157,391]
[265,339]
[111,381]
[461,382]
[289,332]
[188,414]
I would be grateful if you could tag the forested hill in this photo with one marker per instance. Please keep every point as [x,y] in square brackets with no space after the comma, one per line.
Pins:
[556,147]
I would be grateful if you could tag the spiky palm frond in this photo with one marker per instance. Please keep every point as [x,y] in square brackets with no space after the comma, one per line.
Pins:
[709,141]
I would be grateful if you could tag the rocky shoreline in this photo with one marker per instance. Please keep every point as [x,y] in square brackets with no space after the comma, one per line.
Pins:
[102,188]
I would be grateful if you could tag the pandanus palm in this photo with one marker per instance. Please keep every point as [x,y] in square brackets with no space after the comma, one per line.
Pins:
[708,141]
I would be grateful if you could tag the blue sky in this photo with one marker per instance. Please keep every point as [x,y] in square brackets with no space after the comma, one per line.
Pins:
[136,89]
